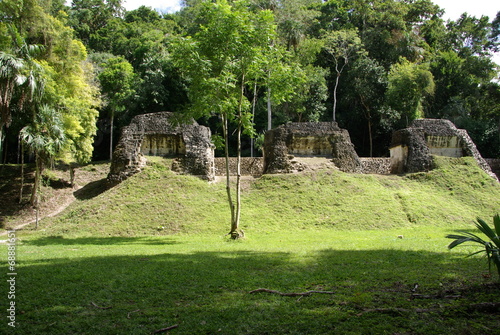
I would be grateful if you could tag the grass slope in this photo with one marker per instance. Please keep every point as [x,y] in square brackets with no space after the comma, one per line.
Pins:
[150,253]
[159,202]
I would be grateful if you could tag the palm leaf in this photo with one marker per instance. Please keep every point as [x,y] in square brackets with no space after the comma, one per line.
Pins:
[468,237]
[485,229]
[491,248]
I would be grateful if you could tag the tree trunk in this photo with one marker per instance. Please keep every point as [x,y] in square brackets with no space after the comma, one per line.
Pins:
[228,180]
[72,175]
[36,186]
[335,95]
[22,172]
[111,137]
[269,111]
[1,141]
[370,136]
[254,102]
[235,222]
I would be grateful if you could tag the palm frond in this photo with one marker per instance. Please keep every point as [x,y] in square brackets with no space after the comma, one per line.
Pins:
[491,247]
[485,229]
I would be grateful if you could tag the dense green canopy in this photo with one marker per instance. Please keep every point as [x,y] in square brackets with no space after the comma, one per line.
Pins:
[400,60]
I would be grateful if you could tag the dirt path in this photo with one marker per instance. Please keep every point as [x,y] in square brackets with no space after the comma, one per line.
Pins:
[57,194]
[68,200]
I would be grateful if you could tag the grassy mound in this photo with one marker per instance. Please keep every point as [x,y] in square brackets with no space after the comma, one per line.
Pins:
[160,202]
[377,242]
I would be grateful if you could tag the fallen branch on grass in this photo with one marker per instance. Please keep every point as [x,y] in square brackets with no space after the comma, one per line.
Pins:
[128,314]
[96,306]
[437,296]
[165,329]
[398,311]
[293,294]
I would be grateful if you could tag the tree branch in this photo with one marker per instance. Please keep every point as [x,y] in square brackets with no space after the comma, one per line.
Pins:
[292,294]
[165,329]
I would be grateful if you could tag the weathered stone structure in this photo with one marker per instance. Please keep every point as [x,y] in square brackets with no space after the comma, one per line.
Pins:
[412,148]
[324,139]
[249,166]
[163,134]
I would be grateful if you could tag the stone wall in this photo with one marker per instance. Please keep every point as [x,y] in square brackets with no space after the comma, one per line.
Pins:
[326,139]
[250,166]
[378,165]
[163,134]
[412,148]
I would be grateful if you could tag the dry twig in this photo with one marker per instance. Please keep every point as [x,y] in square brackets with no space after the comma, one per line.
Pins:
[292,294]
[128,314]
[96,306]
[165,329]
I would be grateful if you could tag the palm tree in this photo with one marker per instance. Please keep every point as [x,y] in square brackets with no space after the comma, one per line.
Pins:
[10,77]
[45,138]
[18,73]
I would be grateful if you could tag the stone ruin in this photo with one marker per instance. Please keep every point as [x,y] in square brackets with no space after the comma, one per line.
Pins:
[163,134]
[288,148]
[282,145]
[412,148]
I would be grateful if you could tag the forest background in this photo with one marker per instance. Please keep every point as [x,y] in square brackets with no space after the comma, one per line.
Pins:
[70,75]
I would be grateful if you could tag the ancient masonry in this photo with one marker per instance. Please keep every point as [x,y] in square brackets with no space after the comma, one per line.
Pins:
[412,148]
[288,148]
[162,134]
[326,139]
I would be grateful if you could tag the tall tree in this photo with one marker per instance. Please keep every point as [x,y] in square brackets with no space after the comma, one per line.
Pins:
[116,78]
[220,61]
[409,84]
[18,73]
[368,81]
[45,138]
[342,46]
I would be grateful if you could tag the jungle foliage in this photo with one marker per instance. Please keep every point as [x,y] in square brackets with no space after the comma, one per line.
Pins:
[371,65]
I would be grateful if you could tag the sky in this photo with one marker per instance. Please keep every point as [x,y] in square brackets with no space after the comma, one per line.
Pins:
[454,8]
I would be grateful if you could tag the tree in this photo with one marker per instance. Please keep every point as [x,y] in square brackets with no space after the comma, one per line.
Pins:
[88,16]
[342,46]
[220,61]
[18,73]
[409,85]
[69,86]
[45,138]
[116,78]
[368,83]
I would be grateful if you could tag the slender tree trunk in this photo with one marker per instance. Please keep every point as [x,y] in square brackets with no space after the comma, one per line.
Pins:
[111,137]
[72,174]
[236,223]
[228,179]
[269,111]
[1,141]
[370,136]
[235,234]
[36,186]
[368,116]
[336,86]
[4,152]
[22,172]
[254,102]
[335,94]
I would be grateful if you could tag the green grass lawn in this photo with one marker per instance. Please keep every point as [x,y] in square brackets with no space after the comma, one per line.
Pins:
[202,284]
[151,253]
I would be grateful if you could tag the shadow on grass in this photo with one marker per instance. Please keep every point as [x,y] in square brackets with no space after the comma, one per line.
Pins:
[60,240]
[91,190]
[208,293]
